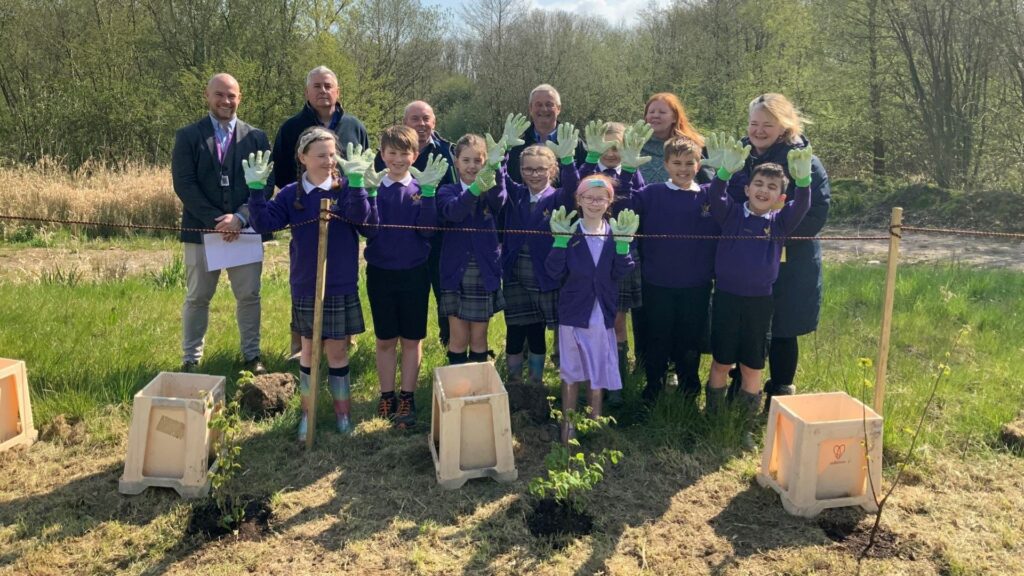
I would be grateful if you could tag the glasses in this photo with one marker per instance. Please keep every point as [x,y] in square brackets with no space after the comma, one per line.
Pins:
[534,171]
[594,200]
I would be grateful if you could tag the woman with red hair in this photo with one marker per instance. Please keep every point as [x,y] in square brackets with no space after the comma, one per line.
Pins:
[667,117]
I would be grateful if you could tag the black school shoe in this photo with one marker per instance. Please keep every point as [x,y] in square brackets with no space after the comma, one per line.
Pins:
[255,365]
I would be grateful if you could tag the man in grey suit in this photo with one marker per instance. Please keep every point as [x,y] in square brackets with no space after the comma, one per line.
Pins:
[206,168]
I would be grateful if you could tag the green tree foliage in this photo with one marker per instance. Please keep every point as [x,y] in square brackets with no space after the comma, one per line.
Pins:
[930,89]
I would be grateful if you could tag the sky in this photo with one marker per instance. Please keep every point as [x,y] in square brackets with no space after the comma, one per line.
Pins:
[614,11]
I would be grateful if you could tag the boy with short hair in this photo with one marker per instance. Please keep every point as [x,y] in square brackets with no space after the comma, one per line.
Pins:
[397,280]
[675,296]
[747,265]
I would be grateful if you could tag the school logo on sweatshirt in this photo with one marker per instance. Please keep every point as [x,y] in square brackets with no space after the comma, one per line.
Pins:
[416,198]
[705,210]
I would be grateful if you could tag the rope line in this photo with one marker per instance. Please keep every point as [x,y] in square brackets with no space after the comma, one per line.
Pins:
[893,230]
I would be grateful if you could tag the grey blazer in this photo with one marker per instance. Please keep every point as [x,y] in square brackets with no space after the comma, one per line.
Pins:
[197,174]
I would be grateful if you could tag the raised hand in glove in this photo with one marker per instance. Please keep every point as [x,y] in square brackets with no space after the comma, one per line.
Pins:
[568,136]
[257,169]
[633,142]
[515,127]
[624,226]
[593,135]
[799,161]
[562,226]
[433,172]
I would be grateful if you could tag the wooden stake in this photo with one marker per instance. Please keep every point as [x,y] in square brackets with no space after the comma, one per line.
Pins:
[895,233]
[318,319]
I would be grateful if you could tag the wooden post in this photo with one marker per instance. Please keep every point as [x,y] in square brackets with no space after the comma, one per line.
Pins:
[318,319]
[895,233]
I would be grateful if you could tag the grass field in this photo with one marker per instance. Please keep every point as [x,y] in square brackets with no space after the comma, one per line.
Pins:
[683,501]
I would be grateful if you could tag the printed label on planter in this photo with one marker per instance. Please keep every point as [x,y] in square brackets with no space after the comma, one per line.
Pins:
[171,427]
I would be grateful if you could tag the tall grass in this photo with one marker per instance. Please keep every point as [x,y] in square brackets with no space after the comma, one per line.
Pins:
[92,343]
[130,195]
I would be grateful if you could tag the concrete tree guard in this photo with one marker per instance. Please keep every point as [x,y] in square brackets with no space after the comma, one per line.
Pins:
[814,453]
[16,428]
[170,443]
[470,432]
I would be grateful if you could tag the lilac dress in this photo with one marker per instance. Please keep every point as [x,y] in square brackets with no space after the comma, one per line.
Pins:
[590,354]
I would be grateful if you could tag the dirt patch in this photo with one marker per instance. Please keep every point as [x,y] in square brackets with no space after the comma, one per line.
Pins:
[206,519]
[549,518]
[531,399]
[918,247]
[267,395]
[853,535]
[64,431]
[1012,435]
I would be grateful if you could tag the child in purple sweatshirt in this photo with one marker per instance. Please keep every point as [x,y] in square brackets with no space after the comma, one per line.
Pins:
[297,203]
[590,266]
[470,260]
[676,297]
[604,156]
[747,266]
[531,295]
[397,278]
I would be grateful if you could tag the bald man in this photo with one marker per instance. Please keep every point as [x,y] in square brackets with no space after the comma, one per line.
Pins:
[420,117]
[206,169]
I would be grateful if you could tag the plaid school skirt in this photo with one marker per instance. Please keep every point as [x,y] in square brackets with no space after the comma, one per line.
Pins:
[631,290]
[525,304]
[343,316]
[471,302]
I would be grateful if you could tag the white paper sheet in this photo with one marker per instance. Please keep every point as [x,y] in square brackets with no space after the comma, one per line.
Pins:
[246,249]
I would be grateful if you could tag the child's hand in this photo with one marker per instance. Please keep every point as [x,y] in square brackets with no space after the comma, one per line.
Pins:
[495,151]
[623,228]
[356,160]
[568,136]
[515,127]
[799,161]
[735,156]
[432,173]
[257,169]
[372,180]
[485,180]
[633,142]
[562,226]
[593,134]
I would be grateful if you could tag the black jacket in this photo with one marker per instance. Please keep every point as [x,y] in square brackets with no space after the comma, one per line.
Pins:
[349,130]
[437,145]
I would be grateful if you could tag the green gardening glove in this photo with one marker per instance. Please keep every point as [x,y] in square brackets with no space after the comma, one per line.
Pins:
[257,169]
[725,154]
[633,142]
[593,135]
[515,127]
[485,180]
[432,173]
[624,226]
[495,151]
[562,226]
[356,162]
[565,149]
[372,180]
[799,161]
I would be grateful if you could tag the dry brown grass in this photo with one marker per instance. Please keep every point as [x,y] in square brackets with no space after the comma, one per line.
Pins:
[133,194]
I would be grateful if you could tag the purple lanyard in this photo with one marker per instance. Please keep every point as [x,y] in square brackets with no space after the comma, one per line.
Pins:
[222,149]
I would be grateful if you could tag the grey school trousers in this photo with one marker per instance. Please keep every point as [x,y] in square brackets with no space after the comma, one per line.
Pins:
[201,285]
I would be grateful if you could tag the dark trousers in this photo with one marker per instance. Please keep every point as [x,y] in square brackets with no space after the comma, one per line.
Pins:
[676,325]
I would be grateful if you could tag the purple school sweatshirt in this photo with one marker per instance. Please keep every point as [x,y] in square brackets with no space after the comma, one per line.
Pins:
[342,239]
[520,214]
[459,208]
[749,267]
[583,281]
[395,248]
[667,209]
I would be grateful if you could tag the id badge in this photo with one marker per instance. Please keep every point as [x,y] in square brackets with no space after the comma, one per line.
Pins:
[224,180]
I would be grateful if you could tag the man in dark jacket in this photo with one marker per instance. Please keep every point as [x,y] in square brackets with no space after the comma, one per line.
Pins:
[545,104]
[206,169]
[420,117]
[321,109]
